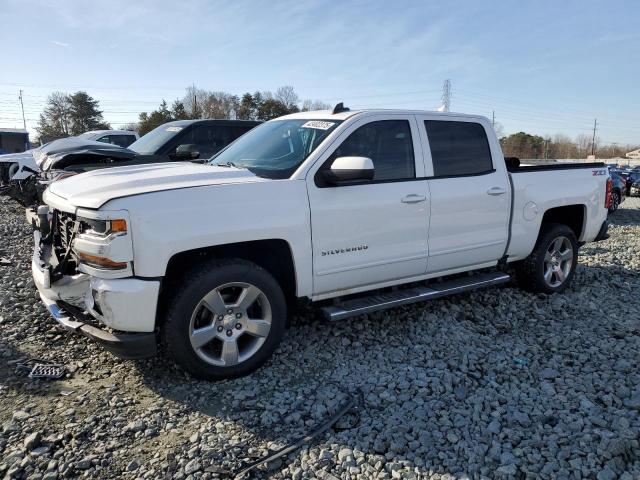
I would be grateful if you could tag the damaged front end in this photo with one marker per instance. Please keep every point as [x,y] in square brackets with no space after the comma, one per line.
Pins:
[19,179]
[82,268]
[60,159]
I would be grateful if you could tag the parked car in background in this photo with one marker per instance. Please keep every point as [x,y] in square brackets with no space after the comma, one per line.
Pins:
[183,140]
[122,138]
[192,140]
[633,183]
[618,190]
[19,166]
[354,211]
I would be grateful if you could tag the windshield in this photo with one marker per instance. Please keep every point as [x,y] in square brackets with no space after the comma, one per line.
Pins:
[276,149]
[150,143]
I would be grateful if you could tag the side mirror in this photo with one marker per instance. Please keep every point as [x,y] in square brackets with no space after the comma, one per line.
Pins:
[346,169]
[187,152]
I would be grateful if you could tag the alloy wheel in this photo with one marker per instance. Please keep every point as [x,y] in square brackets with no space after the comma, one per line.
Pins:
[558,261]
[230,324]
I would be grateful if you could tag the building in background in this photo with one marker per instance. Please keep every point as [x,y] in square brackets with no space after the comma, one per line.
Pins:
[635,155]
[13,140]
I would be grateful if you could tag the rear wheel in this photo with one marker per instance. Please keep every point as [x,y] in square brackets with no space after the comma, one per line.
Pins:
[226,320]
[551,266]
[615,201]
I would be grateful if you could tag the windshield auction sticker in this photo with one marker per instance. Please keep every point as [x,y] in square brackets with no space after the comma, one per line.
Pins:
[174,129]
[318,124]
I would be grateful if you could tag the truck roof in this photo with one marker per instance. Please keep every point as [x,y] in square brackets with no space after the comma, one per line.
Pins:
[114,132]
[184,123]
[328,114]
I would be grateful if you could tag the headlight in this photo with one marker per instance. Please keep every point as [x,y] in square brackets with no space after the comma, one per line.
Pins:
[105,227]
[103,242]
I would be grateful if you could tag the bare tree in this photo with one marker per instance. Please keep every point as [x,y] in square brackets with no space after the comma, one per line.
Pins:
[220,105]
[287,95]
[194,101]
[584,145]
[309,105]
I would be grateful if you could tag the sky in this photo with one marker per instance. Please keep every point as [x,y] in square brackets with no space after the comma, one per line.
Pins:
[543,67]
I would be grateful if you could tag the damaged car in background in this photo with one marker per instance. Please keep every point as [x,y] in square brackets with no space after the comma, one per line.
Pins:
[25,178]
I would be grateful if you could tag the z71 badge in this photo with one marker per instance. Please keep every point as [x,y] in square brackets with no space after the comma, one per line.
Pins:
[338,251]
[597,173]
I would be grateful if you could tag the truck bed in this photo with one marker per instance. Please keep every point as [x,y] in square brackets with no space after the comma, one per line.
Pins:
[540,188]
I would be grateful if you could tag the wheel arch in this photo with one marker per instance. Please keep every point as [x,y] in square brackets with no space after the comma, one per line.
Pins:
[274,255]
[573,216]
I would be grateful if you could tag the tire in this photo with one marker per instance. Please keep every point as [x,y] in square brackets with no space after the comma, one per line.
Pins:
[615,201]
[557,251]
[221,304]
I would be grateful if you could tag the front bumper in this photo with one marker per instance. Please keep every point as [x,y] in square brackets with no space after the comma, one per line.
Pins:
[123,345]
[83,304]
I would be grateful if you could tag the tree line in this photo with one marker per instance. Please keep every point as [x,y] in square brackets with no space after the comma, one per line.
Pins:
[526,146]
[67,115]
[72,114]
[198,103]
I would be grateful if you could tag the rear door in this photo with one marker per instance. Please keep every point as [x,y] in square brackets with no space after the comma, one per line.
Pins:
[375,231]
[470,196]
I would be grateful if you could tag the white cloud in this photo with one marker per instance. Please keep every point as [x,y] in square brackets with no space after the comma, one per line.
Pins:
[60,44]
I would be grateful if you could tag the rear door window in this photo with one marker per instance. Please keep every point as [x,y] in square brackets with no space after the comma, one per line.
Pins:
[120,140]
[458,148]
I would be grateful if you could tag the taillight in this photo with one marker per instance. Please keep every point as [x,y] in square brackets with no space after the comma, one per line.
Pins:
[607,196]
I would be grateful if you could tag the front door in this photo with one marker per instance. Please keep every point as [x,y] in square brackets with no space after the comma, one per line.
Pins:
[375,231]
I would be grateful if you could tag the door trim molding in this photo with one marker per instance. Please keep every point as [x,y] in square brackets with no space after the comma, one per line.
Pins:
[371,264]
[467,247]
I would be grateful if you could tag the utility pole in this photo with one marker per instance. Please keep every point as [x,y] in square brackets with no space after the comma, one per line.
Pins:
[446,95]
[593,139]
[493,119]
[195,104]
[24,122]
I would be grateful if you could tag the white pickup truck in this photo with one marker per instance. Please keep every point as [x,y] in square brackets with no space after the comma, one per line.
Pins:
[354,211]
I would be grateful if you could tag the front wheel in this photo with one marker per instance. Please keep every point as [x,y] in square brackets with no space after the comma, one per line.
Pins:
[226,321]
[552,264]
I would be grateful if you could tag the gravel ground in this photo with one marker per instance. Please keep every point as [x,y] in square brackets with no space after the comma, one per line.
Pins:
[493,384]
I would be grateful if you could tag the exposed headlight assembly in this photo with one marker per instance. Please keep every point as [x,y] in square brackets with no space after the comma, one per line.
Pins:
[103,244]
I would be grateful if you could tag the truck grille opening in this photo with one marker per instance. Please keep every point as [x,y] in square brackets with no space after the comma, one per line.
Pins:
[62,229]
[64,232]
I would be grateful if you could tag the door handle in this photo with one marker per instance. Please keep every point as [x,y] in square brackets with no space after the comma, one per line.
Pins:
[495,191]
[414,198]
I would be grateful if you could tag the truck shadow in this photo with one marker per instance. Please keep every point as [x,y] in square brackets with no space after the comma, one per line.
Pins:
[442,382]
[626,213]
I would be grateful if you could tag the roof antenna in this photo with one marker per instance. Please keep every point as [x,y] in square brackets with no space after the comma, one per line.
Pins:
[340,108]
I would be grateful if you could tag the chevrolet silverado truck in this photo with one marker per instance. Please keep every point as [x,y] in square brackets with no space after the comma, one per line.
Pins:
[351,211]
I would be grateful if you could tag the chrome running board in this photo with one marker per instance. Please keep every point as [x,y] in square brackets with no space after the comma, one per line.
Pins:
[382,301]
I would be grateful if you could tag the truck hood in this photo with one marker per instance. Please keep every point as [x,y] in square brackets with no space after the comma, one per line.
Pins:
[95,188]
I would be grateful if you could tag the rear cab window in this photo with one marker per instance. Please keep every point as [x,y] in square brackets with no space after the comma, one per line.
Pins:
[458,148]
